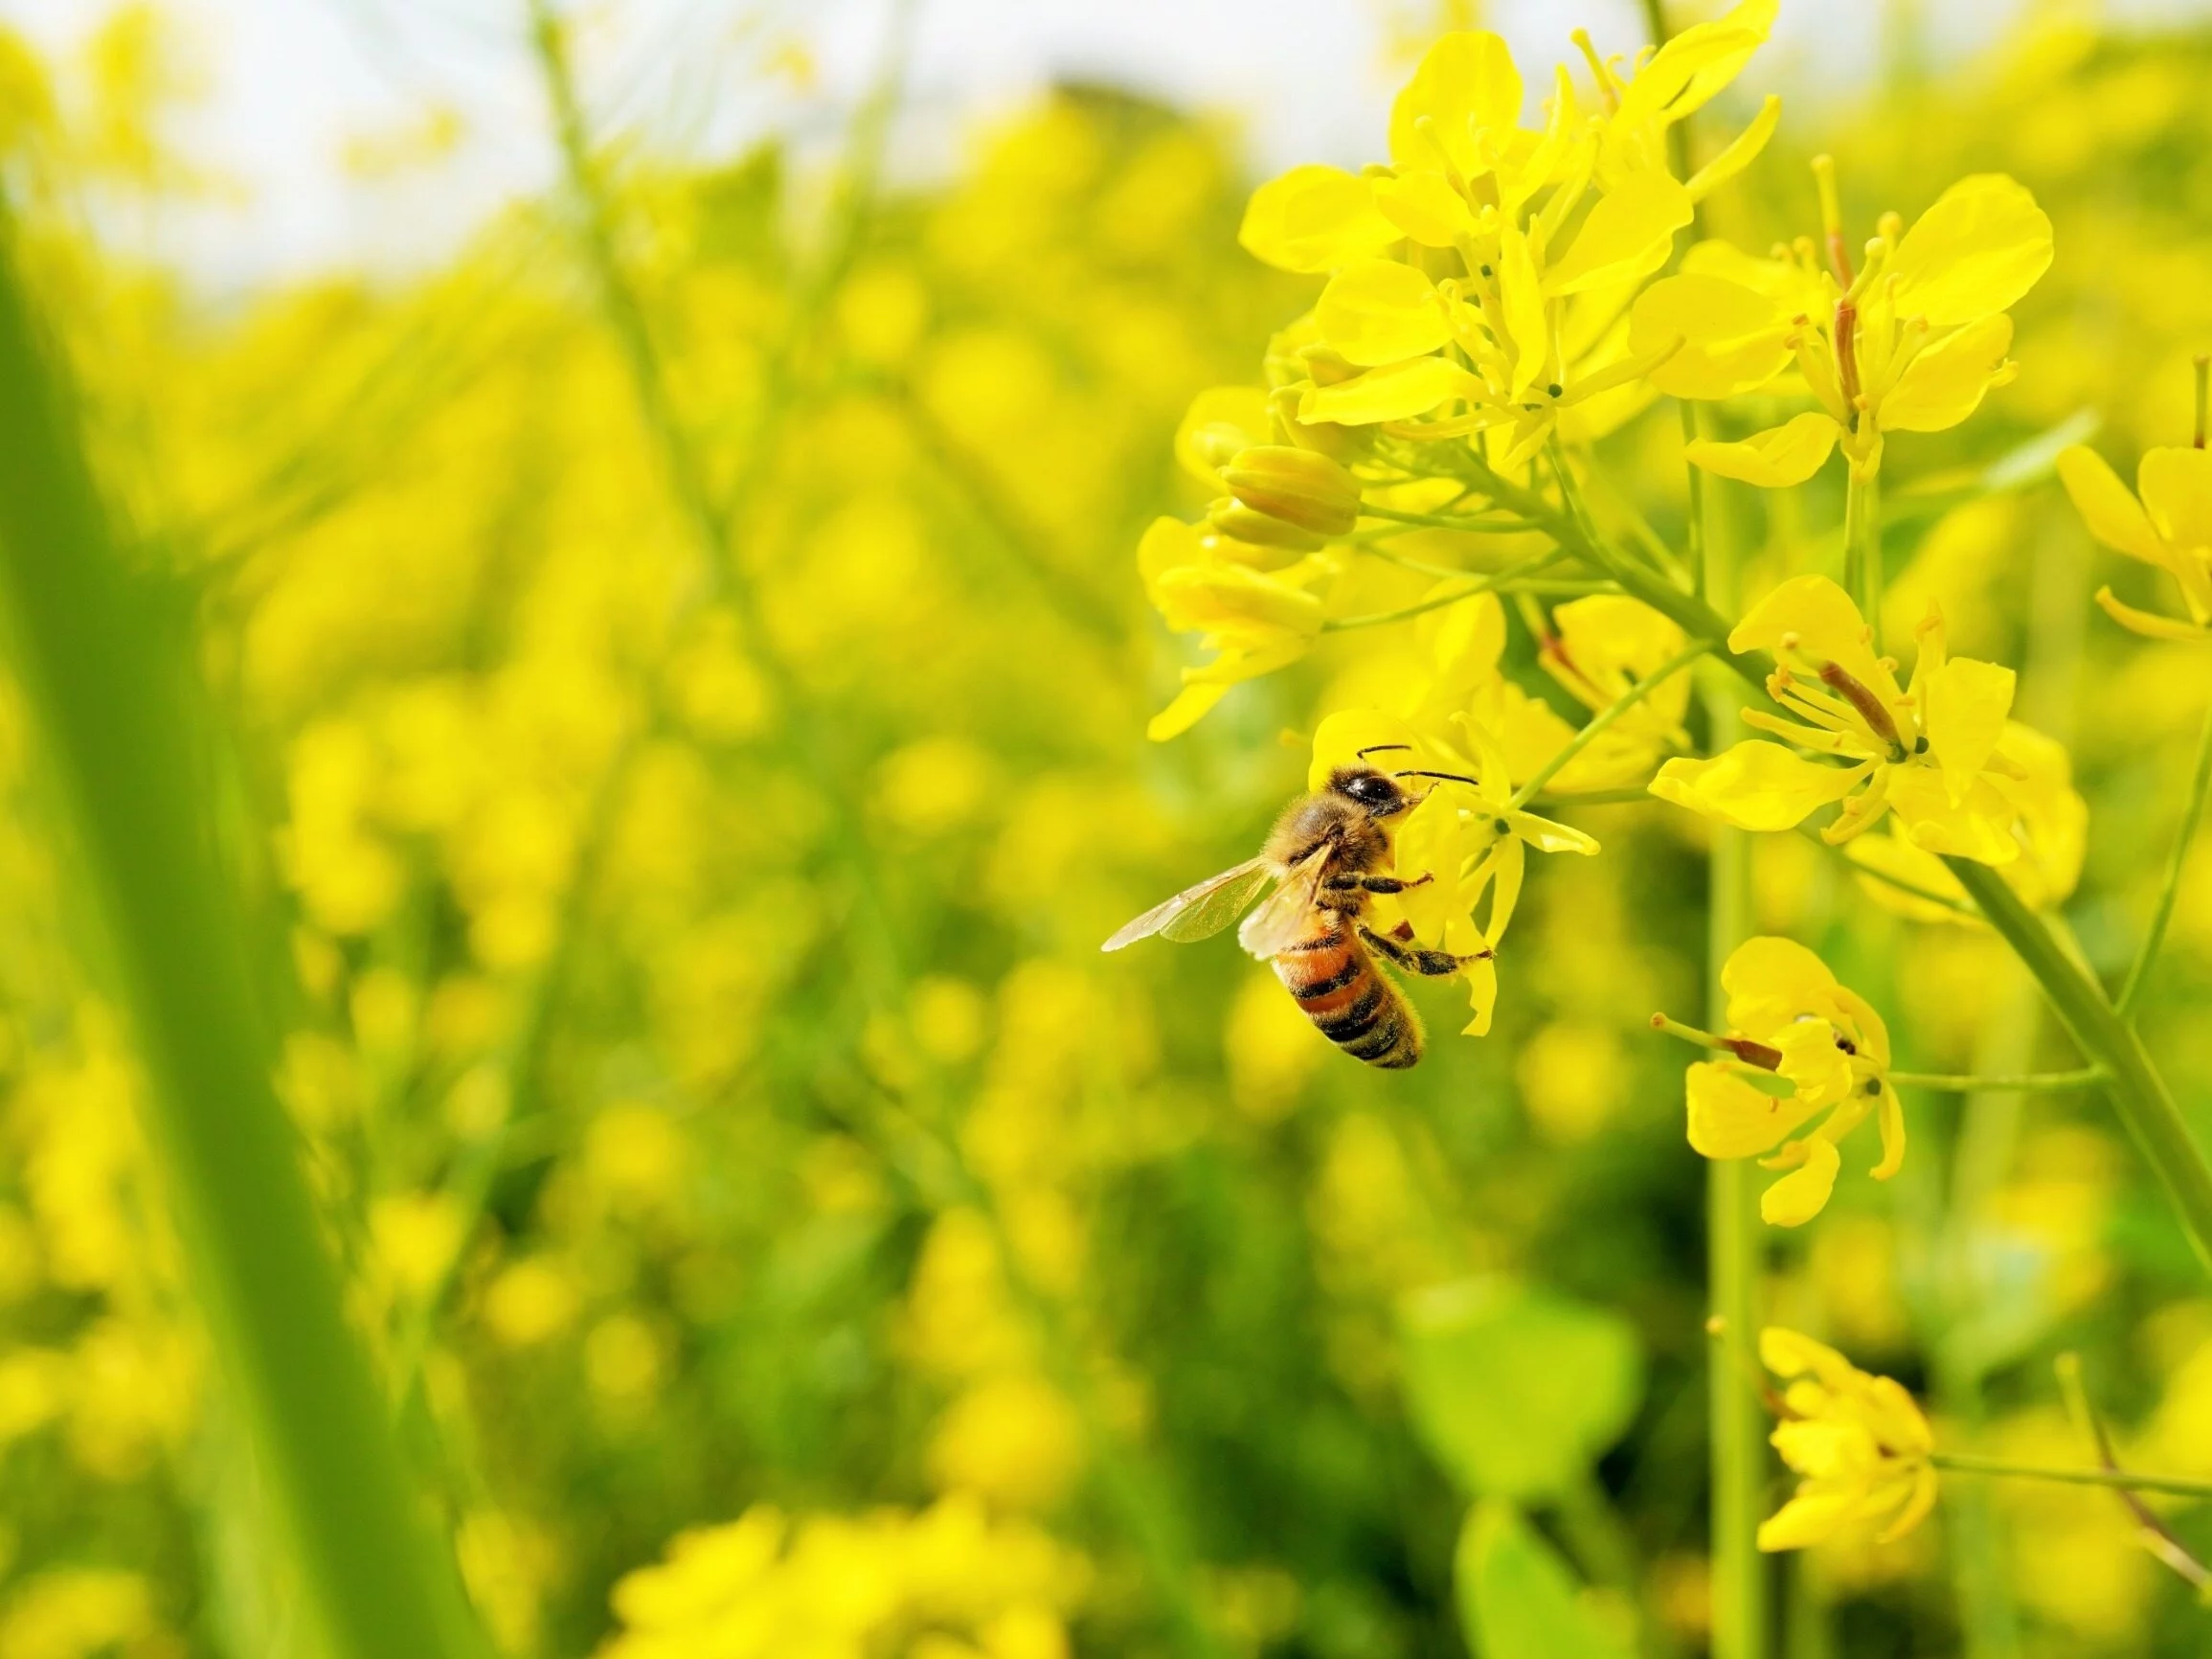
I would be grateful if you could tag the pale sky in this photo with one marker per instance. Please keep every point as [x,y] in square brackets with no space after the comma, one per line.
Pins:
[290,83]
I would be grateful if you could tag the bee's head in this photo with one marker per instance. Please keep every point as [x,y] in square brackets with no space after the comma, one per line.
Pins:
[1380,795]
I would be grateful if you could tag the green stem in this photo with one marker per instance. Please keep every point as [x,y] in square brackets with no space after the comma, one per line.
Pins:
[1863,548]
[1604,719]
[2132,1084]
[1487,524]
[1599,798]
[114,687]
[1550,555]
[2030,1083]
[2192,810]
[2127,1480]
[1733,1231]
[1694,533]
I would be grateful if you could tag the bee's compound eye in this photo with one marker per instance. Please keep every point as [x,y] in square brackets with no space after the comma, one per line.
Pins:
[1372,789]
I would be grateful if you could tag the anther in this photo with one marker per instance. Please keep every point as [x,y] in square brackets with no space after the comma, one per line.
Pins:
[1869,707]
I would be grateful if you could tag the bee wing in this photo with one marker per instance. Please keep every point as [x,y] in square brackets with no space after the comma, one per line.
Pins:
[1286,917]
[1200,912]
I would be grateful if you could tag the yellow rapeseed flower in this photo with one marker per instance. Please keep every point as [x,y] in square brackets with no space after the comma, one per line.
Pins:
[2170,527]
[1909,343]
[1468,834]
[1859,1441]
[1806,1054]
[1932,756]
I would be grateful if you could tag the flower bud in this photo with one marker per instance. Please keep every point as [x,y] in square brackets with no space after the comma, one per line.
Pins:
[1301,488]
[1231,518]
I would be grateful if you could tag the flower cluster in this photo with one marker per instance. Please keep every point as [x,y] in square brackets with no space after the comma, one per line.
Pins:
[1477,306]
[1943,757]
[1859,1441]
[1808,1063]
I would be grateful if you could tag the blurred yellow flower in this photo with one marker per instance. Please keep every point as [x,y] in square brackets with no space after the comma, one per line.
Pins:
[1932,758]
[1803,1047]
[1859,1441]
[2170,527]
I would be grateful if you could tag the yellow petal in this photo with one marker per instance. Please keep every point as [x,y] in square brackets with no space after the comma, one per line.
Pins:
[1690,69]
[1338,740]
[1966,709]
[1978,828]
[1423,204]
[2177,487]
[1982,246]
[1481,977]
[1802,1193]
[1523,301]
[1756,786]
[1807,1520]
[1776,459]
[1548,836]
[1730,1118]
[1742,150]
[1916,1507]
[1789,1354]
[1732,335]
[1398,392]
[1168,544]
[1314,219]
[1509,868]
[2148,623]
[1770,982]
[1224,597]
[1812,1060]
[1220,422]
[1627,235]
[1827,625]
[1891,1122]
[1945,383]
[1377,311]
[2113,516]
[1190,706]
[1468,89]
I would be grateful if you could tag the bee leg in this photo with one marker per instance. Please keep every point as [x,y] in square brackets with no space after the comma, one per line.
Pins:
[1429,964]
[1392,883]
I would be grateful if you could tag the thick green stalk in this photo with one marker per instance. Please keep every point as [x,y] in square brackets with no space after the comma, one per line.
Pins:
[2136,1090]
[1733,1236]
[2185,836]
[1863,574]
[112,683]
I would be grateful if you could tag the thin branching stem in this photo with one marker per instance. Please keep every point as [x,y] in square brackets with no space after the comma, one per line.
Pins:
[2185,836]
[2026,1082]
[2180,1486]
[1603,720]
[1476,585]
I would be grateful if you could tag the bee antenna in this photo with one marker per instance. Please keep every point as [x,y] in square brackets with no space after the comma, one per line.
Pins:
[1454,777]
[1378,748]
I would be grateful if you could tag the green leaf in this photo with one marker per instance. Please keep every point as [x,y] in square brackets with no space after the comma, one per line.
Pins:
[1516,1391]
[1518,1600]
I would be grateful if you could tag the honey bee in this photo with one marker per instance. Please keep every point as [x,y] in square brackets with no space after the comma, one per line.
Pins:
[1324,855]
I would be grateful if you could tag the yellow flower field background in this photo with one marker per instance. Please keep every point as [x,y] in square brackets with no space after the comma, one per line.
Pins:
[558,1091]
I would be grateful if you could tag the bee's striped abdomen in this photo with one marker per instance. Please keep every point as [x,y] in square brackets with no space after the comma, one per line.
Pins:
[1349,999]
